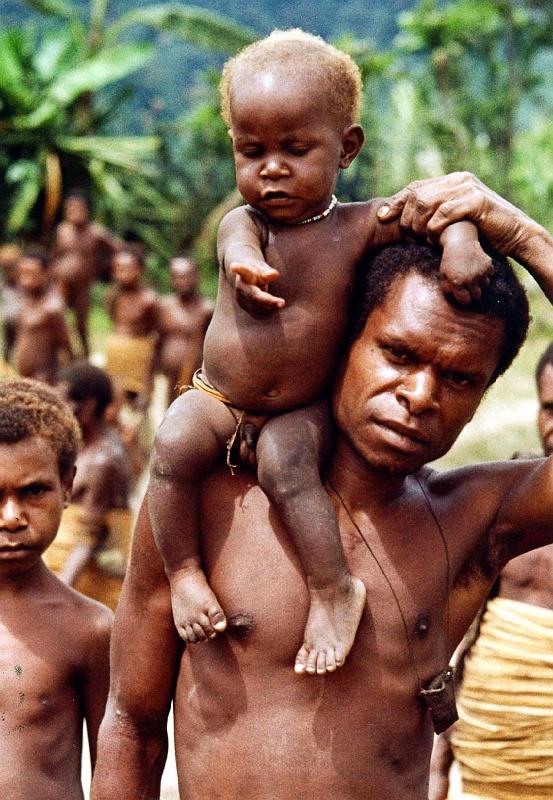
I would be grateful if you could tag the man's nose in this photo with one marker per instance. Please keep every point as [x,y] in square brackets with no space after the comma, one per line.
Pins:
[419,391]
[12,516]
[274,167]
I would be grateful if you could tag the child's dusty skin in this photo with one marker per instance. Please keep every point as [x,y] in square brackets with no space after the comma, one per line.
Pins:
[287,271]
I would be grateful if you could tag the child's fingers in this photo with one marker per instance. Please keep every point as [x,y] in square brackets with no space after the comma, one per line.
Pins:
[255,274]
[259,297]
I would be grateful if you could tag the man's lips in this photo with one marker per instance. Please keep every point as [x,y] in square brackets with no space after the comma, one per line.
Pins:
[404,432]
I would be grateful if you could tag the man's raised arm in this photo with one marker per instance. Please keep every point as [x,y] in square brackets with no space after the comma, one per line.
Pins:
[145,647]
[429,206]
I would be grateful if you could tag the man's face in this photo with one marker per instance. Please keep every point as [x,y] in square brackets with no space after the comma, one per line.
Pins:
[184,275]
[414,377]
[126,270]
[75,210]
[545,415]
[287,146]
[32,497]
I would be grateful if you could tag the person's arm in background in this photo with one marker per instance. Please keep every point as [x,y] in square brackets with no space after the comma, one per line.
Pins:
[145,648]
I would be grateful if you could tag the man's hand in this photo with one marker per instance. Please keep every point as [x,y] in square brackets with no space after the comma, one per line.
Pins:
[429,206]
[252,284]
[465,268]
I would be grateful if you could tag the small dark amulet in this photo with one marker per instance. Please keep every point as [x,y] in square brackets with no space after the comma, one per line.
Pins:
[439,697]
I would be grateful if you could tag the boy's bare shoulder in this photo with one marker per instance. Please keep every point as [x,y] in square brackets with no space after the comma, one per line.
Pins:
[87,622]
[361,219]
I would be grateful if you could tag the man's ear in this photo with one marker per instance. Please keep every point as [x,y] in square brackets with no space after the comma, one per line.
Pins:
[352,142]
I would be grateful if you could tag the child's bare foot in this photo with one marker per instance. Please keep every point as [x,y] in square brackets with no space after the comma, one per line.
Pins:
[196,611]
[334,616]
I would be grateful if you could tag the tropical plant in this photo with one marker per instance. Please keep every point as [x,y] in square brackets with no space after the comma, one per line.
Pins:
[53,112]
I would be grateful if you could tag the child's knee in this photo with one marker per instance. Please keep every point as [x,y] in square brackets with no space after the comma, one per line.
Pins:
[284,473]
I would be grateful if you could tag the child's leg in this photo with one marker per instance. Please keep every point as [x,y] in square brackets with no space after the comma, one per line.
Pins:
[190,440]
[290,453]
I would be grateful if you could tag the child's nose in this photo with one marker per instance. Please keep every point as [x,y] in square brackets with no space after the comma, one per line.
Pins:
[11,514]
[274,167]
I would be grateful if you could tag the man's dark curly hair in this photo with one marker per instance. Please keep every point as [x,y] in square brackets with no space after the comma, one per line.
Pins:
[30,408]
[504,298]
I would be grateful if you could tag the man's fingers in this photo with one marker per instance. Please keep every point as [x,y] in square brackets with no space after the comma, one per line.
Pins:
[254,274]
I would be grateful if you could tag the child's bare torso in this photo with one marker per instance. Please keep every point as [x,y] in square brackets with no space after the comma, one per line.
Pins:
[40,713]
[181,328]
[38,336]
[286,359]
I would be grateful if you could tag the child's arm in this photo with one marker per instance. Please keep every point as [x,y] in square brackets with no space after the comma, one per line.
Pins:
[465,267]
[93,684]
[239,250]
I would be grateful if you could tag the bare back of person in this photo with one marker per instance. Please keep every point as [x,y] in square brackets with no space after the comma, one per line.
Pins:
[46,637]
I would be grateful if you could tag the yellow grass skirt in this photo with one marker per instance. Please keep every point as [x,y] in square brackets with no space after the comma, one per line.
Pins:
[102,578]
[503,740]
[129,360]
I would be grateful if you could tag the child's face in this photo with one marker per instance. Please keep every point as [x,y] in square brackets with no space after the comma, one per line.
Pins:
[127,272]
[32,497]
[287,146]
[184,275]
[32,275]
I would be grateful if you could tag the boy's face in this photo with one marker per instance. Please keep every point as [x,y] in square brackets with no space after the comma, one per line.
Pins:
[32,497]
[127,272]
[287,146]
[32,275]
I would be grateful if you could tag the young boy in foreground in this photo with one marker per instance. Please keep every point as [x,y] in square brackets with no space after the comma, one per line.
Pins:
[291,102]
[54,642]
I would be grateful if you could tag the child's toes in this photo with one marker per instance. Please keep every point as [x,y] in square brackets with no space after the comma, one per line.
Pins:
[340,655]
[201,635]
[311,666]
[301,660]
[321,662]
[217,619]
[330,660]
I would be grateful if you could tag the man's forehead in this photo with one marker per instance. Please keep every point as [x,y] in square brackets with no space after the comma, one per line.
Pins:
[416,311]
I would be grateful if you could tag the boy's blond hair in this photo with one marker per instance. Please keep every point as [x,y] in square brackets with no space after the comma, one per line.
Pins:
[30,408]
[336,72]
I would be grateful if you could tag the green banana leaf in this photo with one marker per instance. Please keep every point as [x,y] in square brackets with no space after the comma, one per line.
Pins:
[12,75]
[128,152]
[56,8]
[195,25]
[96,72]
[27,176]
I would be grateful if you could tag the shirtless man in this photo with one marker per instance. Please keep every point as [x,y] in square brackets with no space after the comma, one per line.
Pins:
[82,252]
[41,335]
[245,725]
[133,308]
[54,642]
[183,320]
[510,659]
[91,548]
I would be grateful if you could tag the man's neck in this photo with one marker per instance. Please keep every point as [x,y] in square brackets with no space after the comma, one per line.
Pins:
[360,483]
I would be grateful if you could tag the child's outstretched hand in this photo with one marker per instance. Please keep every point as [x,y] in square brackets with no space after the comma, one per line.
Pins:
[465,268]
[252,286]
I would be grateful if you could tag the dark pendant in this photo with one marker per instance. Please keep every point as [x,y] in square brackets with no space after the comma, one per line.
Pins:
[439,697]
